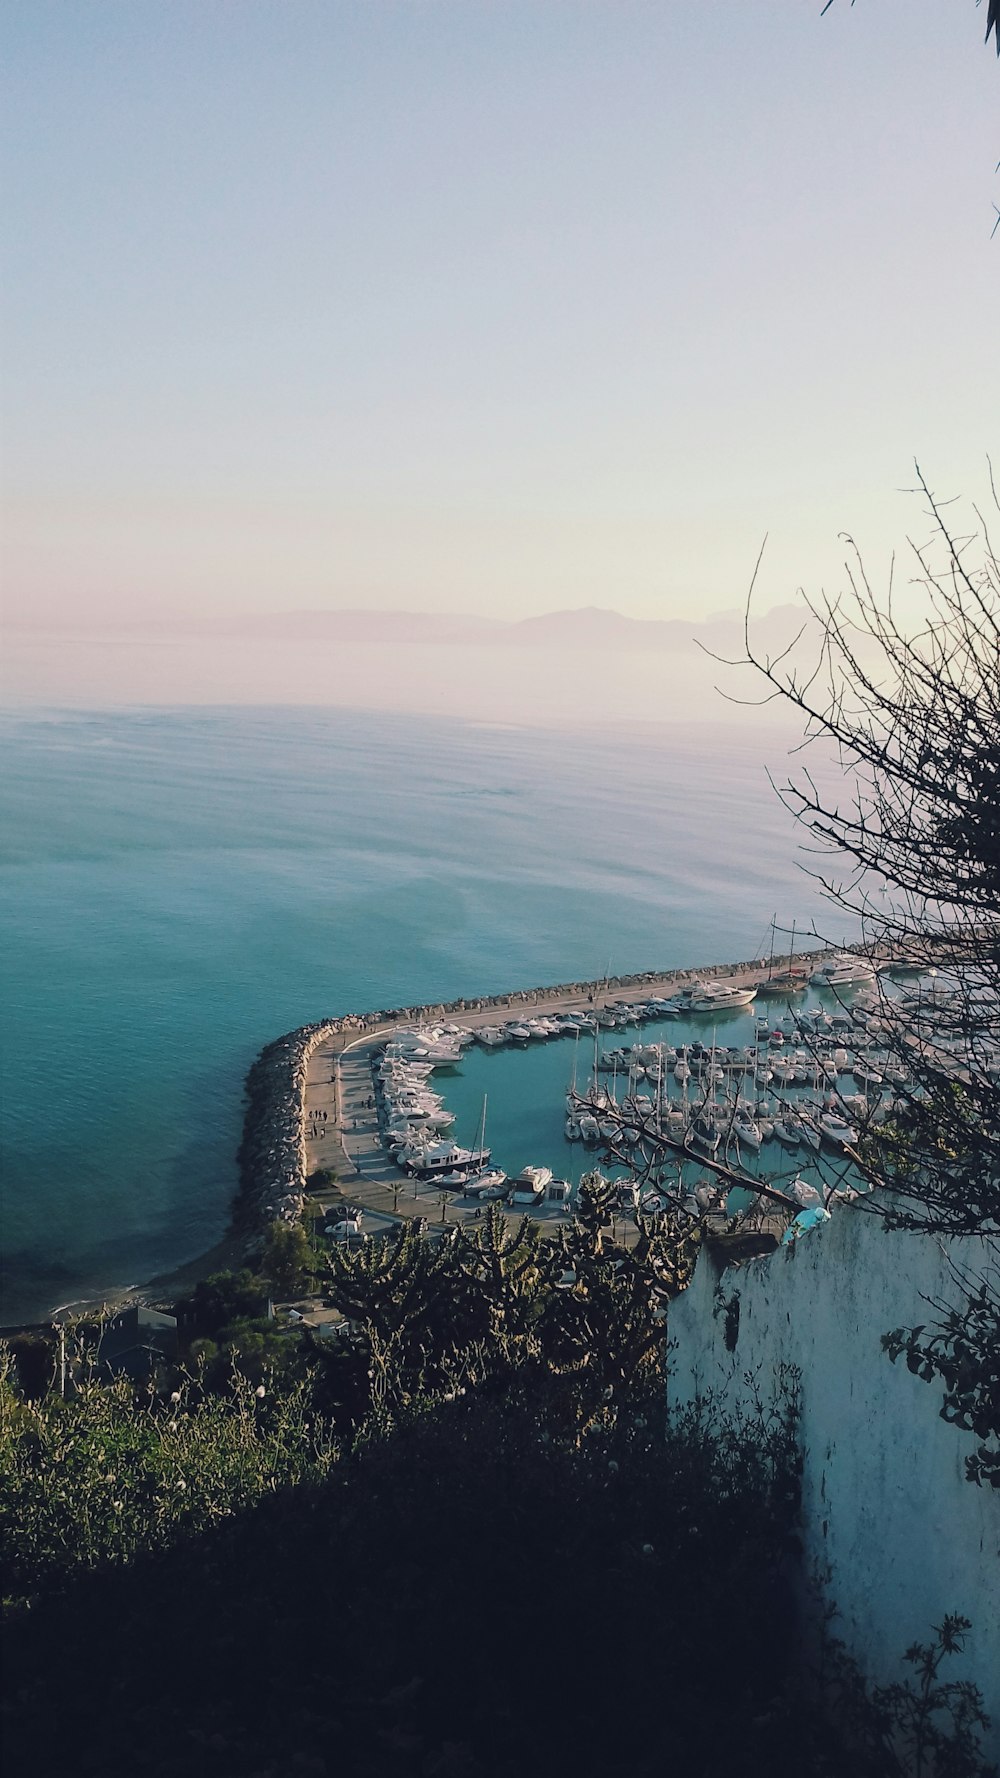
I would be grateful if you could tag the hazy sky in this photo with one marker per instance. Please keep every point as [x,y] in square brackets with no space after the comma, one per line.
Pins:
[487,305]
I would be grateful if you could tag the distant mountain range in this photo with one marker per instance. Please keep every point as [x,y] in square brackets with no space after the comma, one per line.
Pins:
[590,627]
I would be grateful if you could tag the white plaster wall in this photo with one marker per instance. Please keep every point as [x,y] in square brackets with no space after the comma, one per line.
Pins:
[885,1500]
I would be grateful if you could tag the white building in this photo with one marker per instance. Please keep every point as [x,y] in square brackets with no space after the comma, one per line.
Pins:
[887,1509]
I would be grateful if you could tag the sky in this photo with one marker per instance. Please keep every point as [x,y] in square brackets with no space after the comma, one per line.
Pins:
[486,306]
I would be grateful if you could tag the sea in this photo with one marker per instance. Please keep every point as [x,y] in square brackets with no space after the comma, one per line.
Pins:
[179,886]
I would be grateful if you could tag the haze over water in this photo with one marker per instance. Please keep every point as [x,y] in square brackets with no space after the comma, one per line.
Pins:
[180,886]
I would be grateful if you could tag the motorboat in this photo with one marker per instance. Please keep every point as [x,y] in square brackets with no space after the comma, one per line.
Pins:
[530,1185]
[433,1158]
[844,971]
[804,1193]
[836,1130]
[491,1184]
[721,997]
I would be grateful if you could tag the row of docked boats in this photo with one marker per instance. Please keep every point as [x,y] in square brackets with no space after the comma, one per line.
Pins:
[811,1066]
[736,1124]
[412,1117]
[700,998]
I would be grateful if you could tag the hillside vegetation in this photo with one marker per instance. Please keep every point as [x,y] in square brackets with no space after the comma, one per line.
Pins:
[458,1540]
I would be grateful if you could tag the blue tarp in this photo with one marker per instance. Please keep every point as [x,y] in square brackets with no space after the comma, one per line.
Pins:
[806,1220]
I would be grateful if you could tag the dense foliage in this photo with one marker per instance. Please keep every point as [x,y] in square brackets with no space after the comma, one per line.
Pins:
[575,1321]
[456,1541]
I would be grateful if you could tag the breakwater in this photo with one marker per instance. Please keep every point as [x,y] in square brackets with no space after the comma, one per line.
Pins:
[272,1156]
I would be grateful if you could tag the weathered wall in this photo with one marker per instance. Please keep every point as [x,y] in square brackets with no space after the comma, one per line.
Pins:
[886,1505]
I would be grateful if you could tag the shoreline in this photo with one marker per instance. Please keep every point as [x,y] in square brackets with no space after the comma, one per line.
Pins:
[273,1160]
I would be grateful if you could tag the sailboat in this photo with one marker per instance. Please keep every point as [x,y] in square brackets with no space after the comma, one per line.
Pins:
[784,981]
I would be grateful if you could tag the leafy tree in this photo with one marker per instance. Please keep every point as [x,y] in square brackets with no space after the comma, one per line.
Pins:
[605,1320]
[497,1309]
[224,1297]
[287,1258]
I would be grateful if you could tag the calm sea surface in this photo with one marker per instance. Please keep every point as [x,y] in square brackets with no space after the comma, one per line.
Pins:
[176,888]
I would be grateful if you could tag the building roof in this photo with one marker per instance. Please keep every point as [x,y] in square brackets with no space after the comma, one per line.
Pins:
[137,1326]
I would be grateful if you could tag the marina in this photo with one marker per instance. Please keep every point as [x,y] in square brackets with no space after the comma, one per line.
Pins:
[680,1090]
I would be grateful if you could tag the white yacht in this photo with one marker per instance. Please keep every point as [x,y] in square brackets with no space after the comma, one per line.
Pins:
[434,1158]
[490,1185]
[837,1130]
[721,997]
[530,1185]
[843,972]
[804,1193]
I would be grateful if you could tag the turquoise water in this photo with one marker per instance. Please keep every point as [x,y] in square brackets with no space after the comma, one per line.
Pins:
[526,1088]
[525,1091]
[177,887]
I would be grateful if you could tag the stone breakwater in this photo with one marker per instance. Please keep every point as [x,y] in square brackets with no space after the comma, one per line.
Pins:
[272,1155]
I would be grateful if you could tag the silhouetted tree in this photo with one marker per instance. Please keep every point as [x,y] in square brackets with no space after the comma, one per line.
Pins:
[912,718]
